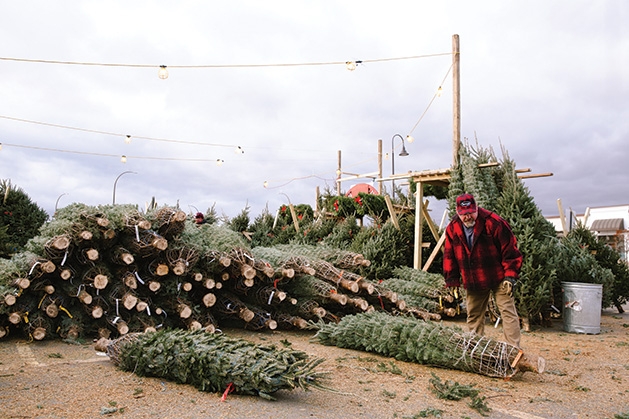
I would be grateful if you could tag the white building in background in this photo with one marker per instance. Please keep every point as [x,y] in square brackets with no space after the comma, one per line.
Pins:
[610,223]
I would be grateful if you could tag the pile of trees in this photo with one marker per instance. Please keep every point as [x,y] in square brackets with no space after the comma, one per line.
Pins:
[110,270]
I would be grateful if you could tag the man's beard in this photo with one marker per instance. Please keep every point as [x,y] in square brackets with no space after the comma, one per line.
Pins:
[469,224]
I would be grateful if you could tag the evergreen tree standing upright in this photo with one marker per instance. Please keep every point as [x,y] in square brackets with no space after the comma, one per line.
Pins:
[20,218]
[536,240]
[609,258]
[468,177]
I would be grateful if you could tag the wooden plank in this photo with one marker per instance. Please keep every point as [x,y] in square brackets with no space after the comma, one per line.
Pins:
[433,255]
[394,219]
[293,213]
[431,224]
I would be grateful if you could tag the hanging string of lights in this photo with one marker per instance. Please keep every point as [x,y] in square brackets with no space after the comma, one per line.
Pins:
[163,74]
[123,158]
[163,69]
[436,95]
[127,137]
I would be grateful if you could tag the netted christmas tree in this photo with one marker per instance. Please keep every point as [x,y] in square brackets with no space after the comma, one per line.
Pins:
[423,290]
[215,362]
[428,343]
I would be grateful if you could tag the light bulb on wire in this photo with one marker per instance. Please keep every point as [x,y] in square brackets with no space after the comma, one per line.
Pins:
[219,162]
[265,184]
[409,139]
[123,159]
[162,73]
[351,65]
[127,139]
[239,150]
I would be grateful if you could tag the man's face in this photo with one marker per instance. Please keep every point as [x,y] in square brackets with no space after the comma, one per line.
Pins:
[469,219]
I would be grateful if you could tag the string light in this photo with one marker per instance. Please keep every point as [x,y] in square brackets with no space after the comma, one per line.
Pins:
[351,65]
[123,158]
[219,162]
[376,60]
[239,150]
[431,100]
[166,140]
[266,183]
[127,139]
[439,90]
[409,139]
[162,73]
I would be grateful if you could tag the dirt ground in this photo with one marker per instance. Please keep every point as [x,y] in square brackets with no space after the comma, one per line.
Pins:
[587,376]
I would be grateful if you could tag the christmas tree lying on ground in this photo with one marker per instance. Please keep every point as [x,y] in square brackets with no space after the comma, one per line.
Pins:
[428,343]
[215,362]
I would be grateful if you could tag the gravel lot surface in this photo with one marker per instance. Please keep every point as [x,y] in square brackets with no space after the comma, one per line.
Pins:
[587,376]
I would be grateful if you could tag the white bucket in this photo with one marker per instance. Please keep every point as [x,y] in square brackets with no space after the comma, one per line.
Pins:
[582,307]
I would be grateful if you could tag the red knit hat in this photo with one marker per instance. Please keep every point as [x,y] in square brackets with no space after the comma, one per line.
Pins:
[465,204]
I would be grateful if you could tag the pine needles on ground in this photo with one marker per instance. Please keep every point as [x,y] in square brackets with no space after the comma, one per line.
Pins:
[452,390]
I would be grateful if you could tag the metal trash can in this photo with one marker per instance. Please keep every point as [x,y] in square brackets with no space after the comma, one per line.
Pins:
[582,306]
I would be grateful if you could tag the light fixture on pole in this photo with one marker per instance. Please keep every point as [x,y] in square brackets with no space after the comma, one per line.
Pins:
[403,153]
[113,201]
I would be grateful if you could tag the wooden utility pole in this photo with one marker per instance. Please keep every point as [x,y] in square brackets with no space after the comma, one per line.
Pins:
[456,101]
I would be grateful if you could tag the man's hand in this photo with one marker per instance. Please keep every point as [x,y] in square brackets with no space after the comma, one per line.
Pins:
[452,293]
[508,285]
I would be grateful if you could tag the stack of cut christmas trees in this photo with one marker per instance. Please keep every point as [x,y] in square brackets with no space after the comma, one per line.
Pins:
[110,270]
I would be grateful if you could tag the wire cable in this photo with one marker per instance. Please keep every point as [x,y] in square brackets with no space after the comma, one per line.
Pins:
[376,60]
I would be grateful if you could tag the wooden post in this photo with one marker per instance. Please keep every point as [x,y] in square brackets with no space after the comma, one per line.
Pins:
[562,217]
[380,166]
[419,194]
[338,173]
[293,214]
[456,101]
[387,199]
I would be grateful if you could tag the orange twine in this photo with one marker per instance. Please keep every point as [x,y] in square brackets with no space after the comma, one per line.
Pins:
[230,388]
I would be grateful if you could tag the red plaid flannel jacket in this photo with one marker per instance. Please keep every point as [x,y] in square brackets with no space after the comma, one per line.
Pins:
[494,254]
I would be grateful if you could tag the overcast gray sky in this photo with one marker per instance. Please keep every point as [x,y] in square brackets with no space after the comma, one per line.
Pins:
[548,80]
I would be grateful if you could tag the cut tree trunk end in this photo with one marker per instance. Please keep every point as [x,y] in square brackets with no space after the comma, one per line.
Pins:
[23,283]
[530,362]
[39,333]
[10,299]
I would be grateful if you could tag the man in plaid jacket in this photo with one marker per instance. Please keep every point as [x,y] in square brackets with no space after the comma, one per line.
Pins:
[481,254]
